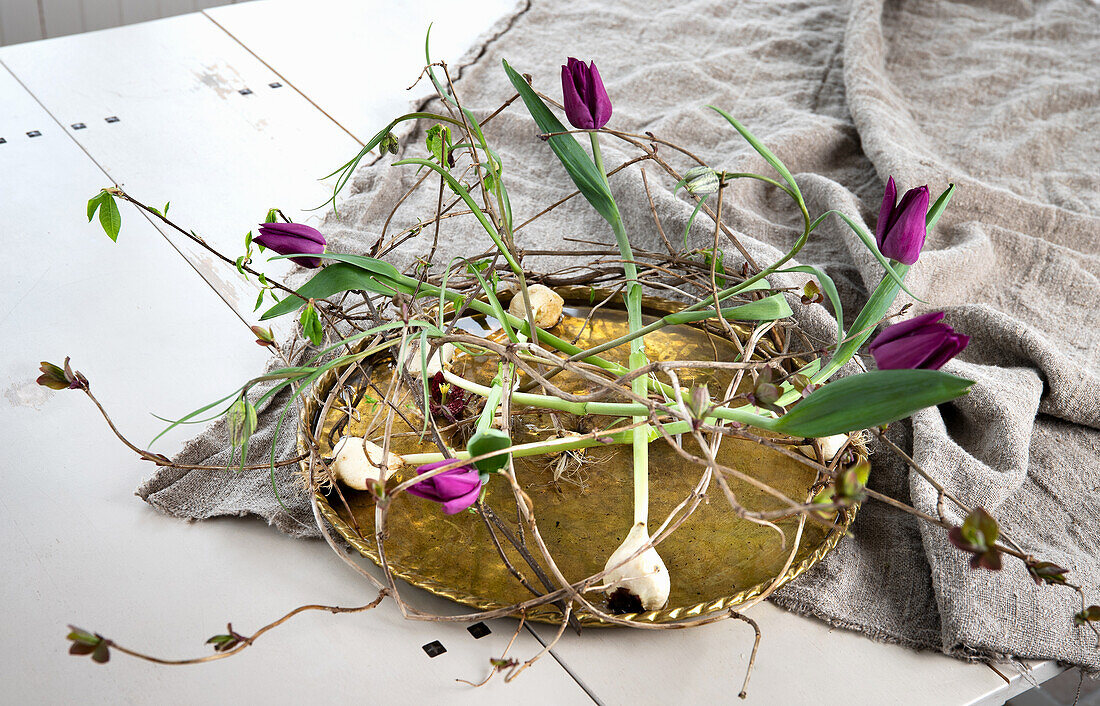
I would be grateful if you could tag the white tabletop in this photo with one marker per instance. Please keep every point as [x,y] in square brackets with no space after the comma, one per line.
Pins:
[159,327]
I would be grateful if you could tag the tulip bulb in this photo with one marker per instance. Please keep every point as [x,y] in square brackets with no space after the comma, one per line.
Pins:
[830,447]
[644,577]
[358,462]
[437,359]
[546,303]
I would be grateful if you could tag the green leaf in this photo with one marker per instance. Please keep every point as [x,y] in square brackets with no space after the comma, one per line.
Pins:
[767,154]
[353,272]
[873,247]
[94,203]
[691,220]
[457,187]
[311,324]
[869,400]
[487,441]
[582,170]
[1088,615]
[438,142]
[938,207]
[769,308]
[109,217]
[343,173]
[981,529]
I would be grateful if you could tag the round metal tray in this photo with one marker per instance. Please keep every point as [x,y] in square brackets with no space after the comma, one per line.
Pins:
[716,560]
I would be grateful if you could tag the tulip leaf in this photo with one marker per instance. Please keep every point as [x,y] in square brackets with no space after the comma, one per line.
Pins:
[486,441]
[770,308]
[582,170]
[341,277]
[829,287]
[691,219]
[869,400]
[873,247]
[938,207]
[344,172]
[464,194]
[766,153]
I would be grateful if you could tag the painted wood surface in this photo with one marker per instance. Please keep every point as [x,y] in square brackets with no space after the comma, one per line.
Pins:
[78,547]
[356,59]
[177,111]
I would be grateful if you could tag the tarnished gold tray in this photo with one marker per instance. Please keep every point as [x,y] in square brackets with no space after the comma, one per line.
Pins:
[716,560]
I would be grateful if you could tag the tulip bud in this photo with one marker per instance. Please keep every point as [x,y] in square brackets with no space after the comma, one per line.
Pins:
[456,489]
[359,463]
[586,103]
[920,342]
[293,238]
[701,180]
[546,303]
[901,229]
[644,578]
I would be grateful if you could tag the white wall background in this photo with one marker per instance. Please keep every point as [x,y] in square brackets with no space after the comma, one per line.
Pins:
[28,20]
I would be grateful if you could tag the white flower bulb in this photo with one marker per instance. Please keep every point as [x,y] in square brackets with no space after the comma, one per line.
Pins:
[437,359]
[359,462]
[830,446]
[545,301]
[644,577]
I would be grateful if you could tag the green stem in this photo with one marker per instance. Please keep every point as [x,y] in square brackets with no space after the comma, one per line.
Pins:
[492,401]
[611,409]
[555,445]
[639,385]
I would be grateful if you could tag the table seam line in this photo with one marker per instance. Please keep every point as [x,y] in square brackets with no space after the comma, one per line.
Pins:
[568,670]
[285,80]
[107,174]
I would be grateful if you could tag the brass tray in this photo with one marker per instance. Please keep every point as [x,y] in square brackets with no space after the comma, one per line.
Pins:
[716,560]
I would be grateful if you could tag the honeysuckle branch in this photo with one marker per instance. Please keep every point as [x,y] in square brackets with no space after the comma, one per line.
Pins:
[190,235]
[236,643]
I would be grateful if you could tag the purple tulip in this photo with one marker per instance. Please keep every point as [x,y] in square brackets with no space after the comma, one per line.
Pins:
[901,227]
[292,238]
[586,103]
[457,488]
[920,342]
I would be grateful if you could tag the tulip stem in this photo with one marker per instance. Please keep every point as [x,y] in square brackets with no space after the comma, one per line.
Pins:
[640,384]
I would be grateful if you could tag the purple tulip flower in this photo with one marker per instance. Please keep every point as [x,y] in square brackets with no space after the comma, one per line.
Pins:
[292,238]
[901,227]
[457,488]
[920,342]
[586,103]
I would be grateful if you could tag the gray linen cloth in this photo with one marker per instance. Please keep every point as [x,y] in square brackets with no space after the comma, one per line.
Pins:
[1001,97]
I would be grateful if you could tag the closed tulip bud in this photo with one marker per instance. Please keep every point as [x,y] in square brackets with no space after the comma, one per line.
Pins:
[901,229]
[920,342]
[586,103]
[292,239]
[456,489]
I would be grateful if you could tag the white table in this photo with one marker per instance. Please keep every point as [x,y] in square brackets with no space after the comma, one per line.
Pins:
[153,336]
